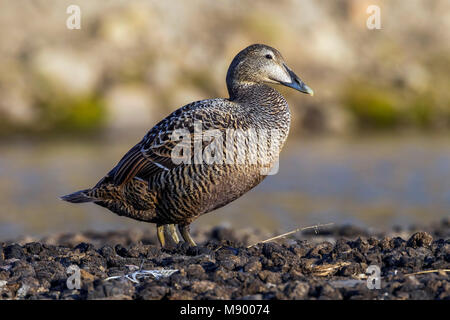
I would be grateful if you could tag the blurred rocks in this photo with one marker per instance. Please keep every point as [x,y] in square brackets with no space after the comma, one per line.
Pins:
[124,102]
[145,59]
[67,70]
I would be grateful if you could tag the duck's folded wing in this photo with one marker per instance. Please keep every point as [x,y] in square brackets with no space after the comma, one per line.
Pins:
[154,153]
[144,161]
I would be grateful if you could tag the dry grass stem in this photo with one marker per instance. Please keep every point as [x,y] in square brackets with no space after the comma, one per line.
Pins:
[316,227]
[428,271]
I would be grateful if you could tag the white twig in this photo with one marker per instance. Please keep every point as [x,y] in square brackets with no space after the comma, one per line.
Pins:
[134,276]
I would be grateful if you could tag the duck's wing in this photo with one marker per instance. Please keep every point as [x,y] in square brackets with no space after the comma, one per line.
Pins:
[154,153]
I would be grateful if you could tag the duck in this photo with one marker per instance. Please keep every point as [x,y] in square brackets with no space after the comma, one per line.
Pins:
[205,154]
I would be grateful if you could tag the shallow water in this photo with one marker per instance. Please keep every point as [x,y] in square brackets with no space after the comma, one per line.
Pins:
[374,182]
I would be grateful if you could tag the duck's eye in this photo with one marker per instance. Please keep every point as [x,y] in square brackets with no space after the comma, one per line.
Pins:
[268,56]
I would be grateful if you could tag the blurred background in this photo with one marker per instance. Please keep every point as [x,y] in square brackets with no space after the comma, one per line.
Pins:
[371,148]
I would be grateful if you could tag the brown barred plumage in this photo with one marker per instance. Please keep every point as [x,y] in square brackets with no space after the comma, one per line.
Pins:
[150,184]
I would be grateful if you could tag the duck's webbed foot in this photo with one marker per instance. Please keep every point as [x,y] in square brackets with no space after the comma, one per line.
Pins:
[172,231]
[184,230]
[160,234]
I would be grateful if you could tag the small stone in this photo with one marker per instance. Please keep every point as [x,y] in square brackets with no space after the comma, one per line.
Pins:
[14,251]
[329,293]
[109,289]
[84,247]
[385,244]
[270,277]
[253,266]
[195,271]
[121,250]
[420,239]
[202,286]
[297,290]
[252,297]
[221,274]
[228,265]
[197,250]
[107,252]
[152,292]
[397,242]
[403,295]
[86,276]
[33,247]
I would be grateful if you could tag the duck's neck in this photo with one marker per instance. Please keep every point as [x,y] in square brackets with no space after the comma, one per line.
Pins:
[259,95]
[264,107]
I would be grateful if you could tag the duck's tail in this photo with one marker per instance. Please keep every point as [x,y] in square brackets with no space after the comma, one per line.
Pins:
[131,200]
[79,196]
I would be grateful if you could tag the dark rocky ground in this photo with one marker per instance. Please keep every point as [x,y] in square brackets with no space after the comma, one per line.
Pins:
[327,265]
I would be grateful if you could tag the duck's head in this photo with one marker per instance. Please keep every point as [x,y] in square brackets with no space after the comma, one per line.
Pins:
[259,63]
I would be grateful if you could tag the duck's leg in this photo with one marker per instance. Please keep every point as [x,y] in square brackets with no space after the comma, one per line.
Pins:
[184,230]
[160,233]
[172,231]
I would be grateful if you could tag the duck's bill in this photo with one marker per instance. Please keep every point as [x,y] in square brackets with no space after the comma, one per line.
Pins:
[297,83]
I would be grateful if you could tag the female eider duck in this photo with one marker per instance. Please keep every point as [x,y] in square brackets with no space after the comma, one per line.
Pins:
[186,166]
